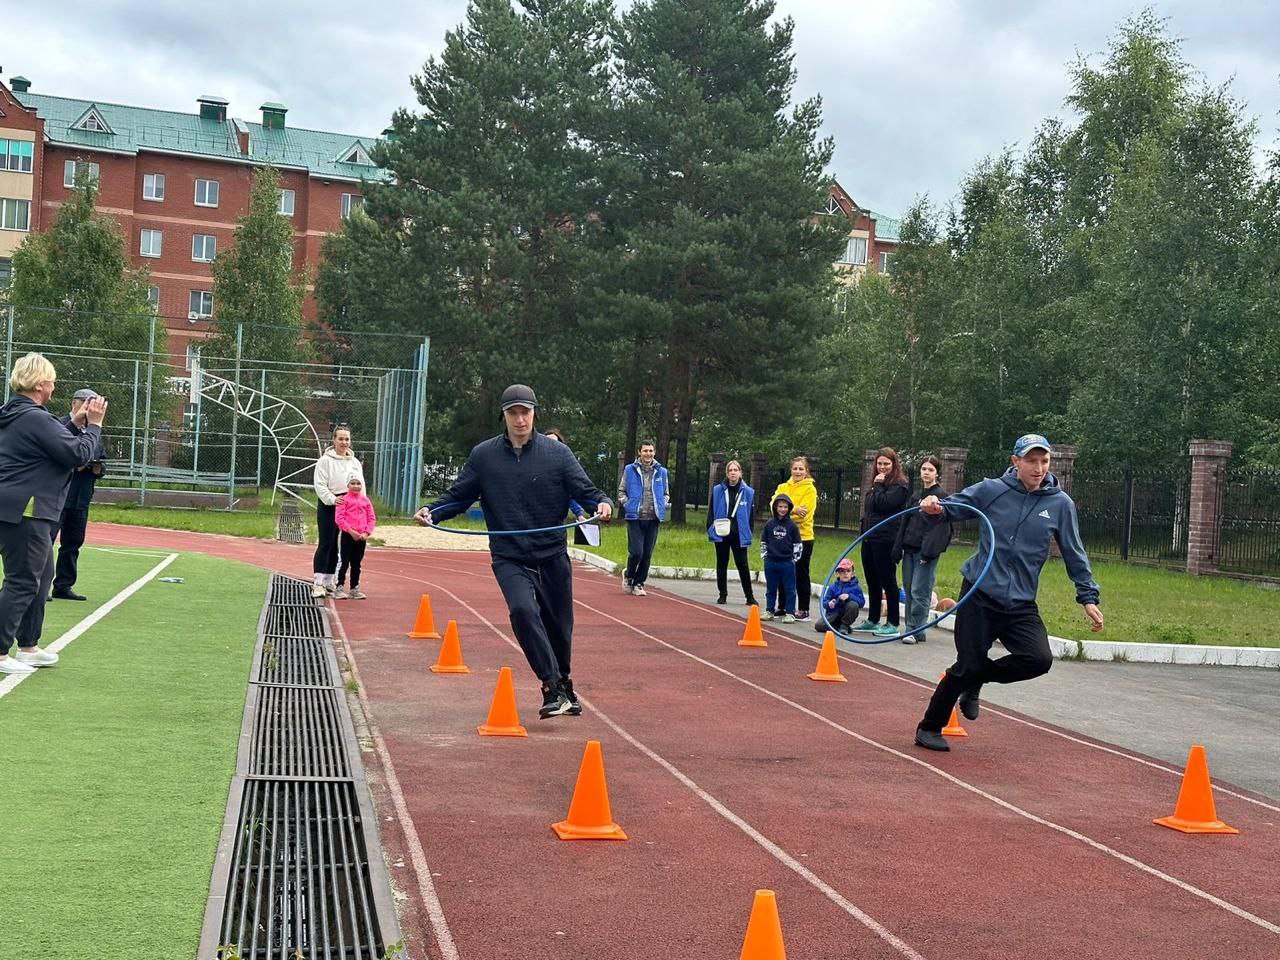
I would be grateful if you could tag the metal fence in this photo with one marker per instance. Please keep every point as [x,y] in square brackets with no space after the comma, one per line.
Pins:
[1251,522]
[1134,514]
[195,420]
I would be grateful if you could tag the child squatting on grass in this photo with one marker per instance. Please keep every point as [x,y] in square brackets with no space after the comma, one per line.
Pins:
[780,545]
[356,520]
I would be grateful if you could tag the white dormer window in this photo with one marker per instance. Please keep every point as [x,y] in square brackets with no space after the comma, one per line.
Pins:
[833,206]
[92,121]
[355,153]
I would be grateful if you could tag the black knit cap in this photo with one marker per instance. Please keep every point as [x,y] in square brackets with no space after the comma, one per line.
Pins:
[518,395]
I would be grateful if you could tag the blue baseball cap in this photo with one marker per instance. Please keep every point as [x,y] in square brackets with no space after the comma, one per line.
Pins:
[1028,442]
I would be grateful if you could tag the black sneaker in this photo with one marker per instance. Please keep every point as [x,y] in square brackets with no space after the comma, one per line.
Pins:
[575,708]
[554,702]
[969,704]
[722,599]
[802,615]
[932,740]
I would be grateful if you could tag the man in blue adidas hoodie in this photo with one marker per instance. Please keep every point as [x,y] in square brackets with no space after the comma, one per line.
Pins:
[1027,508]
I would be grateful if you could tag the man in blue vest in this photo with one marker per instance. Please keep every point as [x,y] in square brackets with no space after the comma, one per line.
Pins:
[644,495]
[75,512]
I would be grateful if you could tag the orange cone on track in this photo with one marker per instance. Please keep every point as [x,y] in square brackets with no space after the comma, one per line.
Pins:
[450,659]
[764,930]
[752,635]
[953,728]
[589,815]
[504,718]
[828,665]
[1195,811]
[424,627]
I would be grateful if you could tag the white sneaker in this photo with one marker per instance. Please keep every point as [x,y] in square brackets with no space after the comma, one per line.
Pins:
[638,590]
[317,592]
[37,658]
[356,594]
[627,586]
[16,667]
[339,594]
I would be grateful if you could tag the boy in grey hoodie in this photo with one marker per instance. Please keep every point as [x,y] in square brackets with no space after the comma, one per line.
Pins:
[1027,508]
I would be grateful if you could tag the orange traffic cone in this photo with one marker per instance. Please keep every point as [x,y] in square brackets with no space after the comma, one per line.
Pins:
[828,665]
[1195,811]
[953,728]
[589,815]
[764,930]
[424,627]
[752,635]
[450,659]
[504,719]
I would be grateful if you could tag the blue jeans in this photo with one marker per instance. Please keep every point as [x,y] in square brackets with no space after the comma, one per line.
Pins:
[780,581]
[918,576]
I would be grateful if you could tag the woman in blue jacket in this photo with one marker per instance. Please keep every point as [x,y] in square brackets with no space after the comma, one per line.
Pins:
[729,512]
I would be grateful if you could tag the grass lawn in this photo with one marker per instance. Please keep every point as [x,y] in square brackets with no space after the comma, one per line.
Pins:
[118,762]
[238,523]
[1142,604]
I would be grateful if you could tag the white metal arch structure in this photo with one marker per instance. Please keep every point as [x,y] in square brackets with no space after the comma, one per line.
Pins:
[297,444]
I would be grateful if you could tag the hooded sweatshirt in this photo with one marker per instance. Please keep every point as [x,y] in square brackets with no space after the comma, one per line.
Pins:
[333,470]
[780,537]
[802,493]
[355,514]
[37,457]
[1024,521]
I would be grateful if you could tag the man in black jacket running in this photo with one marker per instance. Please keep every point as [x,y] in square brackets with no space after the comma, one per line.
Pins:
[525,481]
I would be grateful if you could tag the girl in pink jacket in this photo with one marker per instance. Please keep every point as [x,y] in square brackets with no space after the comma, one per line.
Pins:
[356,520]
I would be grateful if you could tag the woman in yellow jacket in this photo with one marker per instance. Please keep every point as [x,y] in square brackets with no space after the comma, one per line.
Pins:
[800,488]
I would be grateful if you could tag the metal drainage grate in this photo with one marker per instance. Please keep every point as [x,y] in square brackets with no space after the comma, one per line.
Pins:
[294,875]
[300,883]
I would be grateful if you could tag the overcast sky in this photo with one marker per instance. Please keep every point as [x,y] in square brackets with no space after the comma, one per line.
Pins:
[915,93]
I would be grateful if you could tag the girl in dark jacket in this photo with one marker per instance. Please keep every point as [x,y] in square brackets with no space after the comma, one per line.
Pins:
[888,495]
[922,539]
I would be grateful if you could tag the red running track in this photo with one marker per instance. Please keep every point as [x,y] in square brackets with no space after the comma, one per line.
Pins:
[731,771]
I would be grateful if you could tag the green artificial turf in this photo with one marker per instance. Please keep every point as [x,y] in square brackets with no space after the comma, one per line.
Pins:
[118,760]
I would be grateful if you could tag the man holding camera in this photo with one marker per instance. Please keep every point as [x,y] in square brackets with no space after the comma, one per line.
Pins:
[75,513]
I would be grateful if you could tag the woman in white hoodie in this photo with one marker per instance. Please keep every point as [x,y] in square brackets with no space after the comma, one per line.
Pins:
[335,467]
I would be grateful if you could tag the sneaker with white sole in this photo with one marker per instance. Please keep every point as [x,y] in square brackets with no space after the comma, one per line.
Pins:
[885,630]
[627,585]
[554,701]
[15,667]
[866,626]
[767,615]
[37,658]
[340,594]
[317,591]
[638,590]
[357,594]
[788,618]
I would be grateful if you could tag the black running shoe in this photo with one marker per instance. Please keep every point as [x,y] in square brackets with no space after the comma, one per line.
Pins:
[554,702]
[575,710]
[969,704]
[932,740]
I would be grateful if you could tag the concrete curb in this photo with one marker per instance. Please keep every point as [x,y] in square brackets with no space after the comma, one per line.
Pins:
[1063,649]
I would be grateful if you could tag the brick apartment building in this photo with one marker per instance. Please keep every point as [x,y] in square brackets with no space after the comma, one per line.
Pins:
[176,183]
[873,237]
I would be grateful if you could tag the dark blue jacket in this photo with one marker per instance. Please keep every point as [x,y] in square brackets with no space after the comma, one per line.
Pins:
[521,492]
[80,493]
[37,457]
[721,500]
[832,594]
[1024,521]
[780,539]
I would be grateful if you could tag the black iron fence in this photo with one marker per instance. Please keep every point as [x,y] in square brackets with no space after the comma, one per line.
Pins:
[1134,514]
[1251,523]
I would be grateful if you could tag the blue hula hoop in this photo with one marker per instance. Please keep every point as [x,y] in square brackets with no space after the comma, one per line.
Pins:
[512,533]
[991,532]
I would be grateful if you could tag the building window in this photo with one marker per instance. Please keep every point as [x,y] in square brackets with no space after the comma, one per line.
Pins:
[153,298]
[17,155]
[70,169]
[286,203]
[6,273]
[151,244]
[855,251]
[833,206]
[15,214]
[206,193]
[201,305]
[193,355]
[351,201]
[886,260]
[204,247]
[153,186]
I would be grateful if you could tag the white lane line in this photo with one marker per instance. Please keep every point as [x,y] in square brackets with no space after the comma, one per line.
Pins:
[130,551]
[964,785]
[768,845]
[426,886]
[10,682]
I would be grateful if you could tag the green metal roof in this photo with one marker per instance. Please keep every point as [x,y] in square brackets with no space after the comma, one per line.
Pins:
[142,128]
[887,228]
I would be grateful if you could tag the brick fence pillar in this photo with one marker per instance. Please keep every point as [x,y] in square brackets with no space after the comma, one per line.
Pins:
[868,475]
[1208,481]
[715,473]
[623,460]
[1063,464]
[758,481]
[954,460]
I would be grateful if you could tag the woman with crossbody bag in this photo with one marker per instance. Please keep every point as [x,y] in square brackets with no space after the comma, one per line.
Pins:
[730,530]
